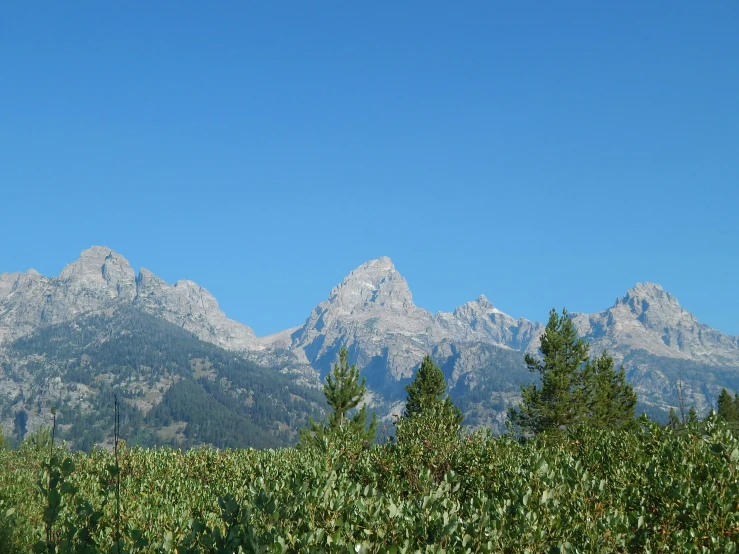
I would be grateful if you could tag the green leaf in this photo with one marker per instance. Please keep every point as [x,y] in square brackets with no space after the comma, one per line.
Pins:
[68,488]
[168,541]
[68,466]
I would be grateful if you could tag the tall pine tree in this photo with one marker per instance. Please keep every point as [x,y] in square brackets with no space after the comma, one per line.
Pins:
[427,390]
[554,404]
[728,407]
[427,436]
[344,391]
[692,416]
[609,401]
[673,422]
[575,389]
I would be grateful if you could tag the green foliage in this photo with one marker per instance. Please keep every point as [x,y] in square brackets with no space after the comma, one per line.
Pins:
[586,490]
[427,440]
[728,407]
[427,434]
[608,401]
[344,392]
[427,391]
[575,390]
[692,416]
[673,422]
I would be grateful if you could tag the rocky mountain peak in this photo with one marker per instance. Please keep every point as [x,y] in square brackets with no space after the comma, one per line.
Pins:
[650,292]
[146,279]
[650,319]
[480,305]
[479,320]
[375,284]
[383,263]
[100,270]
[651,304]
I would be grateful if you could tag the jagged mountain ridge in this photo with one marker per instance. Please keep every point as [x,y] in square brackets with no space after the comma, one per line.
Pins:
[649,318]
[372,313]
[102,278]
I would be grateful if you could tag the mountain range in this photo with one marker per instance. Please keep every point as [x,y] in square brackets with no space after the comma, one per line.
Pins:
[100,300]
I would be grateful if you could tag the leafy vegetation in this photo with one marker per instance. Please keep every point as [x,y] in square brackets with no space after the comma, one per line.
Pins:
[583,488]
[586,490]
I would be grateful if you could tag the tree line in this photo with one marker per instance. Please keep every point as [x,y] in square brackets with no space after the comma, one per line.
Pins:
[575,389]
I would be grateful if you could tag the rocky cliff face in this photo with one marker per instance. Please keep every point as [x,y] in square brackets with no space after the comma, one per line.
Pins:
[372,313]
[479,320]
[650,319]
[23,299]
[101,279]
[193,308]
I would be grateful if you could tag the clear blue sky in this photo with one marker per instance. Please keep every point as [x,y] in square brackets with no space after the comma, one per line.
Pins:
[542,153]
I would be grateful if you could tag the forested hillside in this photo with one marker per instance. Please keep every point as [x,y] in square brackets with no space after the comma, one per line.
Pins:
[173,388]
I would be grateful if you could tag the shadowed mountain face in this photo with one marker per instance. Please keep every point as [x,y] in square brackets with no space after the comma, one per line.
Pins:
[372,313]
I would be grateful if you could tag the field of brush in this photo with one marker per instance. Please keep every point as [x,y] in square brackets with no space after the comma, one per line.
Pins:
[652,490]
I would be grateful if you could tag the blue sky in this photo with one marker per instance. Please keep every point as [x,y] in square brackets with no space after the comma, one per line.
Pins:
[542,153]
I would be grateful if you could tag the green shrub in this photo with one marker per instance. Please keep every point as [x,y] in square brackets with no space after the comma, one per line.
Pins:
[584,490]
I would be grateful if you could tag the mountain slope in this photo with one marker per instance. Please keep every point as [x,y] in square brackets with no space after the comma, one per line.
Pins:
[171,386]
[372,313]
[662,346]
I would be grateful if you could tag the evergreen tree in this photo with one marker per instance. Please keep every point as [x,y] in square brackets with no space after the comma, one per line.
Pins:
[609,399]
[673,422]
[692,416]
[344,392]
[427,436]
[728,407]
[556,403]
[574,389]
[428,389]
